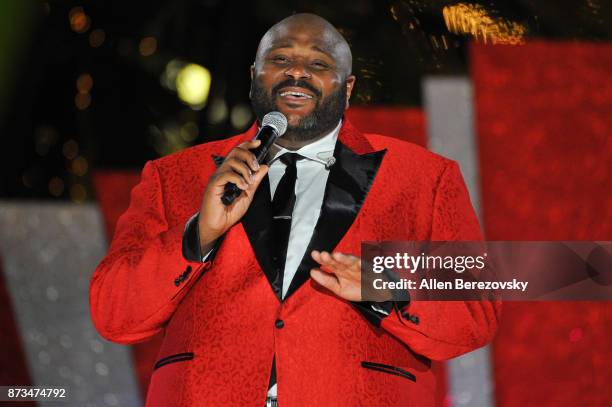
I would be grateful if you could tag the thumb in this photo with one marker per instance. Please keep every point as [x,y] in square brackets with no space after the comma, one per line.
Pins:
[327,280]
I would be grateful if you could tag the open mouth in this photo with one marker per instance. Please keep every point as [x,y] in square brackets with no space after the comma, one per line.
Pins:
[295,94]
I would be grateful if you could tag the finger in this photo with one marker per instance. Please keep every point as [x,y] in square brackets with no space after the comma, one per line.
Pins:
[346,259]
[317,256]
[257,178]
[330,262]
[230,176]
[244,155]
[326,280]
[241,168]
[248,145]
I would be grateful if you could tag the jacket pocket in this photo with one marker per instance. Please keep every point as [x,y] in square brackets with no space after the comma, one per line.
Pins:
[179,357]
[379,367]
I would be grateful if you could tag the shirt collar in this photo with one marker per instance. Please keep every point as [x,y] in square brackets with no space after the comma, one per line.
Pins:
[319,151]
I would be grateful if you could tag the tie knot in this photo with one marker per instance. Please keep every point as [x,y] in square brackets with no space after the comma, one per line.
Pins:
[289,159]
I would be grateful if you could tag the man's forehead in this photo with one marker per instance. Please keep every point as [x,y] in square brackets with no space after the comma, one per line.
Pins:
[307,31]
[291,42]
[316,38]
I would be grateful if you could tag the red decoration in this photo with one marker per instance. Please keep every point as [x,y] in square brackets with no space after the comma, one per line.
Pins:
[544,123]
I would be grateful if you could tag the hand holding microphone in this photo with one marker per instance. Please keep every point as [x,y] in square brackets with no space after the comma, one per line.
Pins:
[231,187]
[273,125]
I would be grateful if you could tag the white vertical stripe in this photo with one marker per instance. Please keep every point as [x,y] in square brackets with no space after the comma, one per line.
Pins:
[449,111]
[49,252]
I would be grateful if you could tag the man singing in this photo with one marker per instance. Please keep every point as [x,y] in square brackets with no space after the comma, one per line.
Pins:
[260,300]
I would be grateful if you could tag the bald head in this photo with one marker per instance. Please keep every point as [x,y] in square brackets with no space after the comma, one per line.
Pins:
[319,31]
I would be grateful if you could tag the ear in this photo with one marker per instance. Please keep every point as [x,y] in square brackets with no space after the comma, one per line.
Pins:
[252,70]
[350,83]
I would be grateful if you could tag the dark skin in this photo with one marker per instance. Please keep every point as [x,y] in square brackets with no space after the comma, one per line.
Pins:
[302,47]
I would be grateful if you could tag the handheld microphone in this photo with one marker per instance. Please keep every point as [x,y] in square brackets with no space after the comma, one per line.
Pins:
[273,125]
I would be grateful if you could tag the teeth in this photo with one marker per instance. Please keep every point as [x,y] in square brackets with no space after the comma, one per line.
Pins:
[296,94]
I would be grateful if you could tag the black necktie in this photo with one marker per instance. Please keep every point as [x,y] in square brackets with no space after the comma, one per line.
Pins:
[284,197]
[282,211]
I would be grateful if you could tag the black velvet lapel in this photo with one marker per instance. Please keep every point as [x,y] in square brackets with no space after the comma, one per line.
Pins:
[257,223]
[349,182]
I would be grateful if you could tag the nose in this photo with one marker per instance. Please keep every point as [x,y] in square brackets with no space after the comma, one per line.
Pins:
[297,71]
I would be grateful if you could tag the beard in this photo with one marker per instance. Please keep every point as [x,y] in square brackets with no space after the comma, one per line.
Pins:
[323,118]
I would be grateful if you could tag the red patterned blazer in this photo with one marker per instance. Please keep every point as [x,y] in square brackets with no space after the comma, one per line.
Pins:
[222,319]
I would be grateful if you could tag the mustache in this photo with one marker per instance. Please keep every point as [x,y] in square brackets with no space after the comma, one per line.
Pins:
[298,84]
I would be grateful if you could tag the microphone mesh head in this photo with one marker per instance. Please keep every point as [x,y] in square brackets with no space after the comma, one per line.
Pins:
[277,120]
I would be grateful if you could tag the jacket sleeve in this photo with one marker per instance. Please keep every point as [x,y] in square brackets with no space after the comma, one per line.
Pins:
[441,330]
[138,285]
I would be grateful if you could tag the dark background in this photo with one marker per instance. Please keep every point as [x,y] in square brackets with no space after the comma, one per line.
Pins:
[50,145]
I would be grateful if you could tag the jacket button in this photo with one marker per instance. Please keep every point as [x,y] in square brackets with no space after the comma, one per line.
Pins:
[177,282]
[279,323]
[414,319]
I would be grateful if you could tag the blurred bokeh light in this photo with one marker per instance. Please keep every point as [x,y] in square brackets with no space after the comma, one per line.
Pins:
[79,21]
[473,19]
[193,85]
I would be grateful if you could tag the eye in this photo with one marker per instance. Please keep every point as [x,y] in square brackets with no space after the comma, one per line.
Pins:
[281,59]
[320,65]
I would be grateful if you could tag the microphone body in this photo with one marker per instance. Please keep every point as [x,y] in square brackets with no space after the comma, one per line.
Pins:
[273,126]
